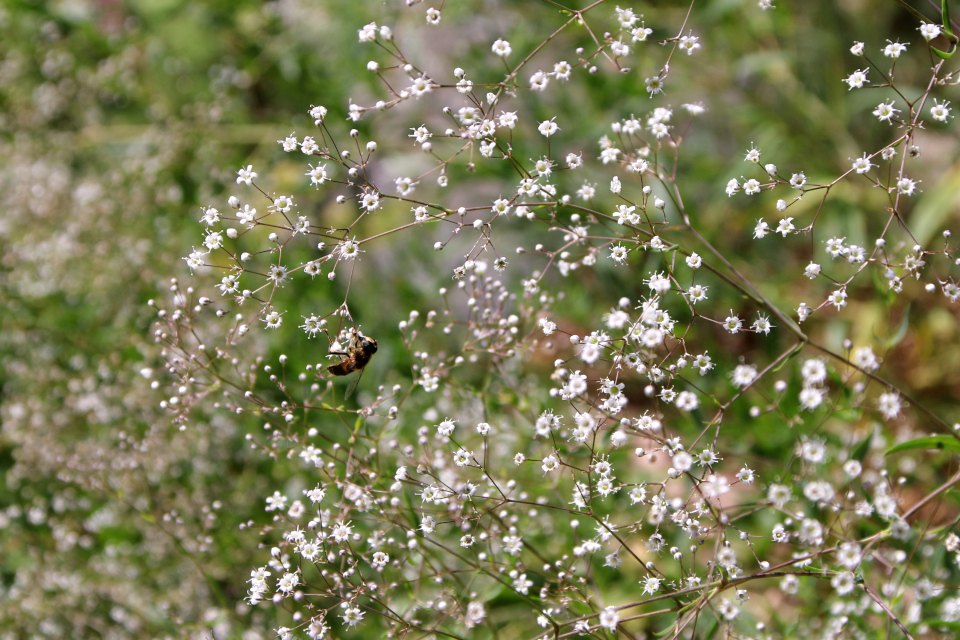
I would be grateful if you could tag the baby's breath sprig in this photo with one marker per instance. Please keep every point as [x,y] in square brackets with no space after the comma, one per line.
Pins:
[574,413]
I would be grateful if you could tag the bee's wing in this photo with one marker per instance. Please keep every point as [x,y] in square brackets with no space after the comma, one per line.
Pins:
[353,385]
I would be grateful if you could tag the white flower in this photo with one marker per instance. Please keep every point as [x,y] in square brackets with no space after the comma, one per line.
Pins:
[751,186]
[697,293]
[548,127]
[640,33]
[929,31]
[213,240]
[940,110]
[838,298]
[835,247]
[318,175]
[550,463]
[368,33]
[848,554]
[761,230]
[658,283]
[287,583]
[785,226]
[866,359]
[446,427]
[246,175]
[733,324]
[462,457]
[682,461]
[421,86]
[371,201]
[539,81]
[619,48]
[501,48]
[405,186]
[762,325]
[273,319]
[318,113]
[702,363]
[547,326]
[650,585]
[894,49]
[513,545]
[289,143]
[352,616]
[856,79]
[779,494]
[889,405]
[843,582]
[715,485]
[563,69]
[309,146]
[508,119]
[886,111]
[380,559]
[618,253]
[862,165]
[609,618]
[654,85]
[952,291]
[811,398]
[349,249]
[689,44]
[743,375]
[813,372]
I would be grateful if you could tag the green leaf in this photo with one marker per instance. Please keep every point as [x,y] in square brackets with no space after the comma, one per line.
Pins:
[943,443]
[665,631]
[860,451]
[894,340]
[793,354]
[944,54]
[945,26]
[849,415]
[938,204]
[943,624]
[712,630]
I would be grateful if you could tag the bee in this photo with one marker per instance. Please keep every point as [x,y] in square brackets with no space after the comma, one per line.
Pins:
[356,357]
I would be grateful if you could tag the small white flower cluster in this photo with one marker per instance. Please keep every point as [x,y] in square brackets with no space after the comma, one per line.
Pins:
[493,462]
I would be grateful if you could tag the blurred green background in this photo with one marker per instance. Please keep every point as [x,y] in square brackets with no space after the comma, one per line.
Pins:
[120,120]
